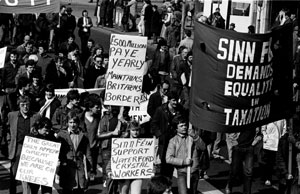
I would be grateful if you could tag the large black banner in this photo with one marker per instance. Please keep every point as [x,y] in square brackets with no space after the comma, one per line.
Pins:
[240,81]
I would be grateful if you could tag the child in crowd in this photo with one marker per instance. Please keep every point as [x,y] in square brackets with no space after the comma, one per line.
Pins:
[178,155]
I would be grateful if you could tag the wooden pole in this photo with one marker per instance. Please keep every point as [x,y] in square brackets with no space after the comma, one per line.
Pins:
[188,175]
[290,128]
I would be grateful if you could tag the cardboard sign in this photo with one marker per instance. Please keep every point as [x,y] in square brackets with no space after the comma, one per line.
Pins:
[38,161]
[139,113]
[2,56]
[125,70]
[132,158]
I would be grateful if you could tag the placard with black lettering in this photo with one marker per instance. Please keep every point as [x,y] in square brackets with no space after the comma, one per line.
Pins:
[126,68]
[38,161]
[132,158]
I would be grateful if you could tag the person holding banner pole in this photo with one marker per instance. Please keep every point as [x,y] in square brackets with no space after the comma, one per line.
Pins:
[184,151]
[74,157]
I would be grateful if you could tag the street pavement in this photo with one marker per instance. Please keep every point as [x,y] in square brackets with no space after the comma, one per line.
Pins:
[218,171]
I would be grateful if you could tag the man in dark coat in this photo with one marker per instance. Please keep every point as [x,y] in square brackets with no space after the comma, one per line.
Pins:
[162,129]
[148,18]
[70,22]
[20,123]
[84,24]
[50,103]
[158,98]
[156,23]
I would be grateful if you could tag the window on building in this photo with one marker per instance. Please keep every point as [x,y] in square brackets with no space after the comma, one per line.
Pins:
[240,9]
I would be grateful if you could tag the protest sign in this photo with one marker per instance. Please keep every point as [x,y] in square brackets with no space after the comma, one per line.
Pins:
[125,70]
[38,161]
[2,56]
[139,113]
[29,6]
[132,158]
[240,81]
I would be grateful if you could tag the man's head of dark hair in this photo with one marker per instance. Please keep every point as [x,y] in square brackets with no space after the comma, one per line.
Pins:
[181,48]
[188,33]
[178,119]
[72,95]
[172,95]
[50,88]
[30,62]
[23,82]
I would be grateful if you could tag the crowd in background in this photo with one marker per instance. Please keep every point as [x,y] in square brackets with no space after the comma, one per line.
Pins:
[44,56]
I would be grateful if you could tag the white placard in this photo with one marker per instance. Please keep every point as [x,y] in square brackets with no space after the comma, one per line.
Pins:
[38,161]
[132,158]
[139,113]
[125,70]
[2,56]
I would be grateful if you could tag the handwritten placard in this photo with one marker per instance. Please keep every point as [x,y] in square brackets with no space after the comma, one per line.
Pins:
[2,56]
[125,70]
[132,158]
[139,113]
[38,161]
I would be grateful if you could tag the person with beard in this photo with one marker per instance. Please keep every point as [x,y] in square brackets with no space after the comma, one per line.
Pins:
[91,121]
[19,124]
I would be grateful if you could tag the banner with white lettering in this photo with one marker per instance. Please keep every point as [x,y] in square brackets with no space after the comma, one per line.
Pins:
[29,6]
[240,81]
[132,158]
[2,56]
[38,161]
[125,70]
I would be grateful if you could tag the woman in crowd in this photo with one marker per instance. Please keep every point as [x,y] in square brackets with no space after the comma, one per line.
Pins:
[133,185]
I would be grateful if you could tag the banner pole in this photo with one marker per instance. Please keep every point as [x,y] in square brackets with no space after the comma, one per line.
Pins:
[188,175]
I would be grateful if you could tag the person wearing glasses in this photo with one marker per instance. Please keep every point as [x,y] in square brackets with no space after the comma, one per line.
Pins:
[94,71]
[19,123]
